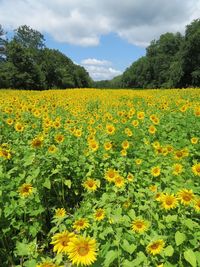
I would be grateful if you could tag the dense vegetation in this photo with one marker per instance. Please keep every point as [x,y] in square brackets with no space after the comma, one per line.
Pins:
[171,61]
[26,63]
[102,181]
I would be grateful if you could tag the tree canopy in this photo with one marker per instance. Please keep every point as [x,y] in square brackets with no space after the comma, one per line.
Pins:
[26,63]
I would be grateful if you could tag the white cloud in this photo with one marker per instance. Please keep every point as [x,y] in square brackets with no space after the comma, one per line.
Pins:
[84,22]
[96,62]
[100,69]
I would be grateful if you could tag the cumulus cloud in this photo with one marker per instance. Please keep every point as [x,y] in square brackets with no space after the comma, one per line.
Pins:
[100,69]
[84,22]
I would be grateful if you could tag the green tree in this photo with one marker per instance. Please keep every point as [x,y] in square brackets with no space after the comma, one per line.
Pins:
[29,38]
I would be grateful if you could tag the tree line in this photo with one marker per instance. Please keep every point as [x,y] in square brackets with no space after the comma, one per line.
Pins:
[26,63]
[172,61]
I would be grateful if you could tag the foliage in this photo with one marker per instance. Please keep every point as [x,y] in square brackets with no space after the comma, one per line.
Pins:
[113,179]
[27,64]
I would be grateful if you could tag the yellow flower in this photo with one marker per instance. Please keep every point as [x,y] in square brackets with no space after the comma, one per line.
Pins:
[110,129]
[9,121]
[60,213]
[99,214]
[81,224]
[155,171]
[52,149]
[82,251]
[107,145]
[152,129]
[185,196]
[194,140]
[140,115]
[155,247]
[153,188]
[111,174]
[177,169]
[135,123]
[123,152]
[37,142]
[91,184]
[140,225]
[138,161]
[93,145]
[60,241]
[197,204]
[19,127]
[59,138]
[168,201]
[25,190]
[130,177]
[125,144]
[196,169]
[119,181]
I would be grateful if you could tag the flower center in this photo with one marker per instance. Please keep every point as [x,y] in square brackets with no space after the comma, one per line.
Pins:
[83,250]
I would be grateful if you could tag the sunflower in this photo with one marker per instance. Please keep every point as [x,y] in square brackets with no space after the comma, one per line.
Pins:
[197,204]
[135,123]
[107,145]
[139,225]
[196,169]
[19,127]
[152,129]
[111,174]
[138,161]
[93,145]
[125,144]
[82,251]
[155,171]
[153,188]
[60,213]
[99,215]
[119,181]
[168,201]
[194,140]
[52,149]
[9,121]
[177,169]
[110,129]
[59,138]
[81,224]
[140,115]
[60,241]
[25,190]
[123,152]
[185,196]
[91,184]
[155,247]
[130,177]
[37,142]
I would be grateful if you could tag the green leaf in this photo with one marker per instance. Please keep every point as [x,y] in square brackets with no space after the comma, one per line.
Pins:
[179,238]
[189,223]
[131,213]
[68,183]
[169,251]
[110,257]
[190,257]
[47,183]
[171,218]
[127,247]
[22,249]
[30,263]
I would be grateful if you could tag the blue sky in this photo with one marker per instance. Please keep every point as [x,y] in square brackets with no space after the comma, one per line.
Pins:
[104,36]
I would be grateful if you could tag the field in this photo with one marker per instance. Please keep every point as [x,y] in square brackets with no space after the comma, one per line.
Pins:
[100,178]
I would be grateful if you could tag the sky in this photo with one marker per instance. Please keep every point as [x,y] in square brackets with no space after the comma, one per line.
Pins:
[104,36]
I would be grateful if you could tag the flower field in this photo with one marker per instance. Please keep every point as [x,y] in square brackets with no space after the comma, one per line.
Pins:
[100,178]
